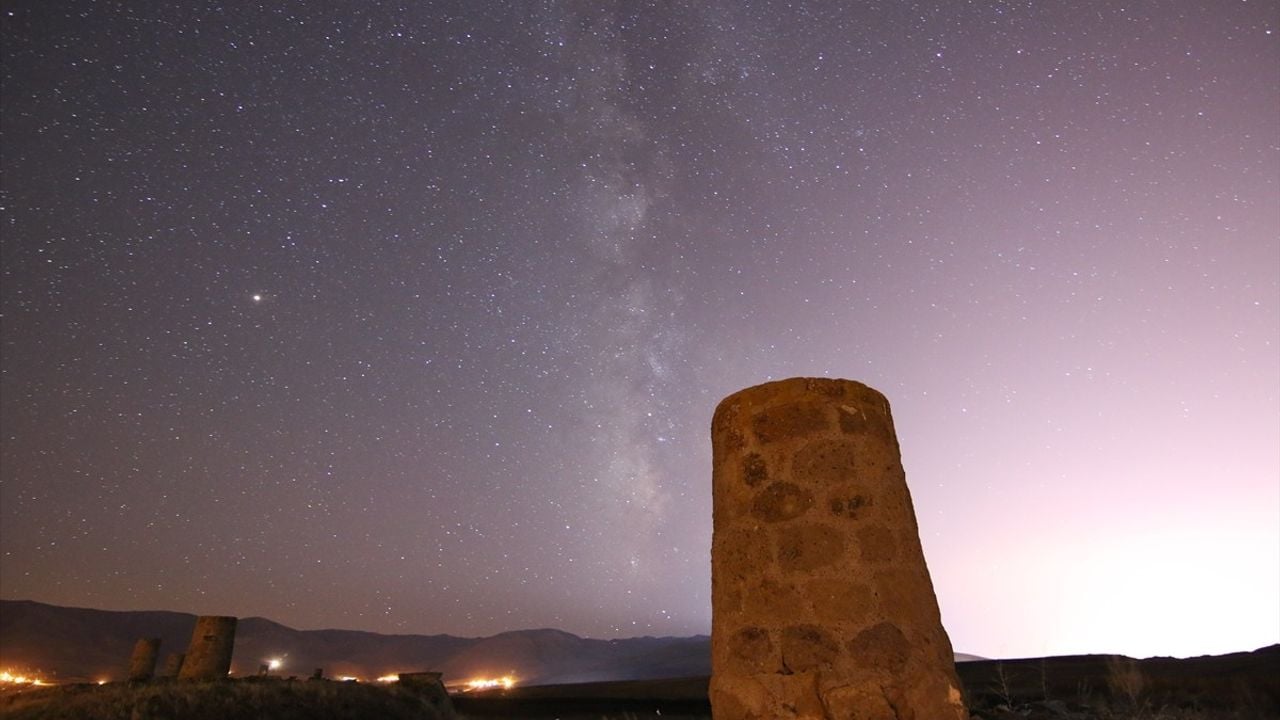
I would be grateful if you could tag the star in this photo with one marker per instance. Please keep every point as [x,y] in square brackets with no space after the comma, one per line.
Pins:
[611,219]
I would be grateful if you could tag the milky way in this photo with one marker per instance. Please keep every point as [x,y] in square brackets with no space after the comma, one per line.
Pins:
[411,317]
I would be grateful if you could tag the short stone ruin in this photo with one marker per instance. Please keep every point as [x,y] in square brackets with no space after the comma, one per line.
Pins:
[142,663]
[209,655]
[172,665]
[429,686]
[822,606]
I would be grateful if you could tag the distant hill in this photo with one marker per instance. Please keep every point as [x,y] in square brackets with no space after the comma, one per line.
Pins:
[76,644]
[69,644]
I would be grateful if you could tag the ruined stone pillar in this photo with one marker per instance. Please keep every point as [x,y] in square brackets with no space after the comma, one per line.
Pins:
[172,665]
[142,664]
[821,602]
[209,655]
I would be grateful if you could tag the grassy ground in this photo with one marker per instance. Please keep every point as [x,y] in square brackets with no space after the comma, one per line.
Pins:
[1244,686]
[1241,687]
[223,700]
[1097,687]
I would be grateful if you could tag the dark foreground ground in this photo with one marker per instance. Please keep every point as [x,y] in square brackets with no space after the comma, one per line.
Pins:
[223,700]
[1241,686]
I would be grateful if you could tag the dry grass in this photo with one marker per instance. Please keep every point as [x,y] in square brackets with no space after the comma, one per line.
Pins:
[1127,683]
[1128,693]
[225,700]
[1122,689]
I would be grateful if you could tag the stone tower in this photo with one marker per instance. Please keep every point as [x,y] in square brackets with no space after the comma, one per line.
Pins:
[822,606]
[142,664]
[209,655]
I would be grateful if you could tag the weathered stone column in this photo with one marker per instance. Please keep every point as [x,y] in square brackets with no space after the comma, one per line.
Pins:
[821,602]
[209,655]
[172,665]
[142,663]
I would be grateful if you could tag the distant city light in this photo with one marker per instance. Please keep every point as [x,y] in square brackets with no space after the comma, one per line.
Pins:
[389,678]
[9,678]
[348,678]
[505,682]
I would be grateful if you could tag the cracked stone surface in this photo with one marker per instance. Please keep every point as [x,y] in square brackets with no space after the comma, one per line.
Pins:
[822,606]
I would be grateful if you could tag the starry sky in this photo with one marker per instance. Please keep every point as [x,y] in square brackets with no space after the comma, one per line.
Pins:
[411,316]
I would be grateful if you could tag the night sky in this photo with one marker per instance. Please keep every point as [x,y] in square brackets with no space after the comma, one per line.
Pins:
[411,316]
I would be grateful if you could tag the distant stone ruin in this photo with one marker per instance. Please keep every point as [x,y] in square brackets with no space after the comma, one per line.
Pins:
[172,665]
[142,663]
[429,686]
[209,655]
[822,606]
